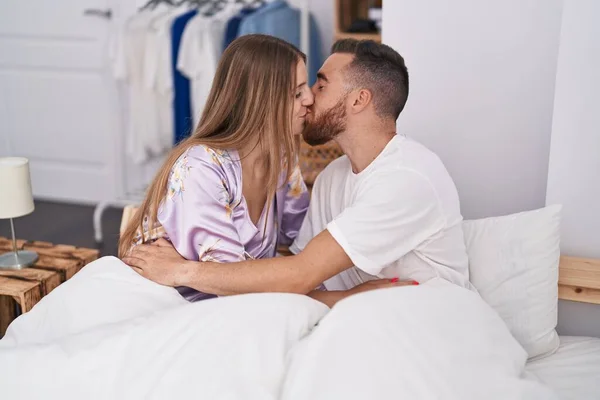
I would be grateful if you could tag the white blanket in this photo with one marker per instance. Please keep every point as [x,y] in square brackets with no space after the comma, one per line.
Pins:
[110,334]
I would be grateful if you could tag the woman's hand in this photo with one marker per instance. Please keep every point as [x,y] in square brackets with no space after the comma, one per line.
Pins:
[159,262]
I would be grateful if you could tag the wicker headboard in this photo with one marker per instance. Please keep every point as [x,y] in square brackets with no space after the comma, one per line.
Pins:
[314,159]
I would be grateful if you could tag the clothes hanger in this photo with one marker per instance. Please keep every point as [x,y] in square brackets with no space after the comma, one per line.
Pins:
[153,3]
[215,7]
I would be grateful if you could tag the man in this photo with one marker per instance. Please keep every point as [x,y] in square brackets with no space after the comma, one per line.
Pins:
[386,209]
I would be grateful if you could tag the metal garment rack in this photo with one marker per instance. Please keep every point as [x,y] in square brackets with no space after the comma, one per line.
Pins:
[137,195]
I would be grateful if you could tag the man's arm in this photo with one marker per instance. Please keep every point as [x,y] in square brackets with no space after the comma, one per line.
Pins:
[329,298]
[322,258]
[161,263]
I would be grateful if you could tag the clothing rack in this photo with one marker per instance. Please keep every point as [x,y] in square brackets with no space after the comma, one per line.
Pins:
[136,195]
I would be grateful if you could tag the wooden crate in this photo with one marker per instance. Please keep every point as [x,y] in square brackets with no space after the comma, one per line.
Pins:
[56,264]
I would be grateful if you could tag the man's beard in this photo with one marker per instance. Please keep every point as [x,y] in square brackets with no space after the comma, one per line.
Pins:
[326,126]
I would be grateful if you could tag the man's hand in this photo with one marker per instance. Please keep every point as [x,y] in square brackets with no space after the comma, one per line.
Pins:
[329,298]
[159,262]
[380,284]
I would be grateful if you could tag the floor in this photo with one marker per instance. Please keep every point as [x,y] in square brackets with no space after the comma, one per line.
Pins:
[67,224]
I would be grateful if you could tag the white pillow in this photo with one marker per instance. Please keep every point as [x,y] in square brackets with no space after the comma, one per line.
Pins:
[513,263]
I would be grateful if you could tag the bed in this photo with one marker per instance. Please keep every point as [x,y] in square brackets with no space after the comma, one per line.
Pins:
[573,371]
[108,333]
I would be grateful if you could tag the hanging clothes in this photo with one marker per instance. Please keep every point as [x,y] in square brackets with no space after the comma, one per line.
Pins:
[182,106]
[168,55]
[144,55]
[129,49]
[279,19]
[233,26]
[199,53]
[172,88]
[158,72]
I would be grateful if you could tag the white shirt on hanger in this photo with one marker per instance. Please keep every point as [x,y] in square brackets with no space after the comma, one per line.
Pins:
[128,56]
[200,51]
[159,72]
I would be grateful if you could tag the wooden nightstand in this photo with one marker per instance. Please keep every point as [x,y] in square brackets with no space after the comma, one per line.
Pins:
[579,280]
[56,264]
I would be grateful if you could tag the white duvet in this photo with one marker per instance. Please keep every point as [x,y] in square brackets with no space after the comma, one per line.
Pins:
[110,334]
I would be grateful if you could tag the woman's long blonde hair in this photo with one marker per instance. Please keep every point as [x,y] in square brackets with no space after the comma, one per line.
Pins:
[252,94]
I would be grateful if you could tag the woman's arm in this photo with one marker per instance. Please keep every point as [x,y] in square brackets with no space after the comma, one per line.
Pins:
[197,211]
[295,206]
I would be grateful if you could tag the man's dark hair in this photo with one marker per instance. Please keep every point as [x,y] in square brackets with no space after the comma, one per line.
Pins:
[380,69]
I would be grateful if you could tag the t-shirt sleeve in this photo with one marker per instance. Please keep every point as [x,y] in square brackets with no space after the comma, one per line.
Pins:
[294,207]
[197,212]
[314,221]
[393,213]
[189,59]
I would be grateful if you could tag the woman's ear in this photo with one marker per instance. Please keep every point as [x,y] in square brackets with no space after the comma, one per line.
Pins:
[361,100]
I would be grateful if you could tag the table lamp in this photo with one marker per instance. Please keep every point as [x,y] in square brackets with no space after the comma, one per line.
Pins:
[16,201]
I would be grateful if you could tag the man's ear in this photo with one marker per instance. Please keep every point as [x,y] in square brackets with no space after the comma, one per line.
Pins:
[361,99]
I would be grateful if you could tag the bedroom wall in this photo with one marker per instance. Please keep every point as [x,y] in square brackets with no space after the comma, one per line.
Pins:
[482,86]
[483,80]
[573,177]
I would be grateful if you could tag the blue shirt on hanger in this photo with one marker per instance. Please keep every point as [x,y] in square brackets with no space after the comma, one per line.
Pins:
[280,20]
[182,107]
[233,25]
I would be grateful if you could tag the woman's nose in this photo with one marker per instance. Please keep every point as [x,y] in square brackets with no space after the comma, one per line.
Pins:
[309,99]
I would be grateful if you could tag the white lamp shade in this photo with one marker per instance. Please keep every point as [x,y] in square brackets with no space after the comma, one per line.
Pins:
[16,199]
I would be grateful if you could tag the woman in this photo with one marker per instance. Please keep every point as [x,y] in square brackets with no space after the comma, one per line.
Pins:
[233,189]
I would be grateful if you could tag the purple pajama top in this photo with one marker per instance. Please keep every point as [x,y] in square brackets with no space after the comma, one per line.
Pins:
[205,215]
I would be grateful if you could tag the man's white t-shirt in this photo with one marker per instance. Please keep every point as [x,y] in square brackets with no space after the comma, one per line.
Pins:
[399,217]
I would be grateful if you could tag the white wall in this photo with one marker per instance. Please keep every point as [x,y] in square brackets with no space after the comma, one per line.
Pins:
[574,172]
[482,80]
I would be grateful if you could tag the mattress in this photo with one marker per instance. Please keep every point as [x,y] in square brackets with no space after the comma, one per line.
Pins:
[573,371]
